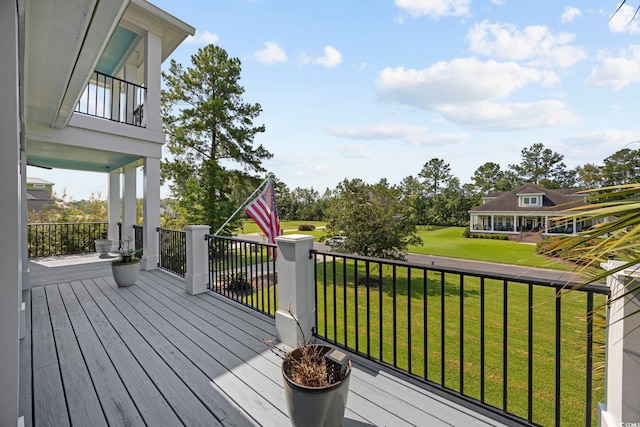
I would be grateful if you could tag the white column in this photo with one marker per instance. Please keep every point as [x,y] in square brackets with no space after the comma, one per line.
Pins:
[129,204]
[113,206]
[10,216]
[197,275]
[26,284]
[493,220]
[296,296]
[151,212]
[24,249]
[574,226]
[622,363]
[515,223]
[152,78]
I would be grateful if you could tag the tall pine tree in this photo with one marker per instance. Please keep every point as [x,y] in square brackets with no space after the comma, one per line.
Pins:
[211,135]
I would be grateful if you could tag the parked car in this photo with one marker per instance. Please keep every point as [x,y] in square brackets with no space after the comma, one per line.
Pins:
[335,240]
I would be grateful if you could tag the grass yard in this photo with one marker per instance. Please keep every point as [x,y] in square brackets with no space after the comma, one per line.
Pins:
[249,226]
[448,241]
[435,333]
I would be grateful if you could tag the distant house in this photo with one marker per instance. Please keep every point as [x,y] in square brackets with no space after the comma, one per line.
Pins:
[39,193]
[528,209]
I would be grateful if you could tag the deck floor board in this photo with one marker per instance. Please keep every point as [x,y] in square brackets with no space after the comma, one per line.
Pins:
[117,405]
[154,355]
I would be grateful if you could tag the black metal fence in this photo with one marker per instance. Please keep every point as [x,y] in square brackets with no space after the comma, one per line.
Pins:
[138,240]
[114,99]
[173,250]
[244,271]
[50,239]
[524,348]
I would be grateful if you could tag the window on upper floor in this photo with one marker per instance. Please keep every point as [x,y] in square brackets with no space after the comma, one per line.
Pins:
[526,201]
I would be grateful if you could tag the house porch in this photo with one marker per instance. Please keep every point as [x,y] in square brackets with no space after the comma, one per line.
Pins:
[153,354]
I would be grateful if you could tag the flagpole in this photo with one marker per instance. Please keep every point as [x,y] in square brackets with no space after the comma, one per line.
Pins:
[244,203]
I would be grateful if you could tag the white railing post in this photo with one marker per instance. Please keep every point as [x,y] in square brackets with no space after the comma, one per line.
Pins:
[296,296]
[622,374]
[196,277]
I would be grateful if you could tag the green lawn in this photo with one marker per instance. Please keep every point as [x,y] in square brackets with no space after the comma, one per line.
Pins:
[249,226]
[448,241]
[428,336]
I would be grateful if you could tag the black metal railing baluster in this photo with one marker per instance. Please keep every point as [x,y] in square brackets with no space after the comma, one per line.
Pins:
[461,338]
[239,269]
[109,89]
[502,387]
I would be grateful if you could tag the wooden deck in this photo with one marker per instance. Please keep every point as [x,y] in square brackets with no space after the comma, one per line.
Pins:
[154,355]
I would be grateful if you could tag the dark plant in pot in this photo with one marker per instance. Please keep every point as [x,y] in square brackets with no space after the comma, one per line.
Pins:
[125,269]
[316,383]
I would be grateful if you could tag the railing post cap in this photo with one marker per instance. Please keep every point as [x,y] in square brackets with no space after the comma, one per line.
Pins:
[197,227]
[633,270]
[292,238]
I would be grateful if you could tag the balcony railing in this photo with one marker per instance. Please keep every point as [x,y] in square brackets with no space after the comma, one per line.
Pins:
[50,239]
[113,99]
[173,250]
[522,348]
[244,271]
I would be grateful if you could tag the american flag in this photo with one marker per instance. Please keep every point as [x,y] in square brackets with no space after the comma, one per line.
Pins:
[264,212]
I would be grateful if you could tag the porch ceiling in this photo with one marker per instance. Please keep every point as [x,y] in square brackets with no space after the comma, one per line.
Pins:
[59,156]
[64,40]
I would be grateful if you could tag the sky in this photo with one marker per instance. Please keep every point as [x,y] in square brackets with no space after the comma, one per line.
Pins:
[374,89]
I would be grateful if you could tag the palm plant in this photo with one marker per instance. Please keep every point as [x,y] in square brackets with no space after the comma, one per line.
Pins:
[622,3]
[617,237]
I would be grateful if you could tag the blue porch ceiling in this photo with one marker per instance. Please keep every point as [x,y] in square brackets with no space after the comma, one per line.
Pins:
[117,50]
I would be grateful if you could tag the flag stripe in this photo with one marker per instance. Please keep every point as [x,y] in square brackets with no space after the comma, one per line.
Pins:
[264,212]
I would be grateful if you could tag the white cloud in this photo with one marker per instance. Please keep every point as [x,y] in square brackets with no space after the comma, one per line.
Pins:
[495,116]
[623,21]
[536,44]
[570,13]
[203,38]
[434,8]
[499,2]
[616,71]
[458,82]
[415,135]
[355,151]
[271,53]
[331,58]
[608,137]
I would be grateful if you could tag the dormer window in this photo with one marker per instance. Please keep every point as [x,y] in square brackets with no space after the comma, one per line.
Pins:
[530,200]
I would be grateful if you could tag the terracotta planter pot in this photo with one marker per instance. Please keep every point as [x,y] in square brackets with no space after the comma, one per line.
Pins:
[125,273]
[315,406]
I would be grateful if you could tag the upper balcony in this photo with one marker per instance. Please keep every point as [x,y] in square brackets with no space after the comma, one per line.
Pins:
[92,82]
[113,99]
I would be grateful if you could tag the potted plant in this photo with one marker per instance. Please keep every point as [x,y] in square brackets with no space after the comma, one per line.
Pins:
[103,245]
[125,269]
[316,383]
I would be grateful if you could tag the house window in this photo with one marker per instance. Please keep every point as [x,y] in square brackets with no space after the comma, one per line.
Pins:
[530,201]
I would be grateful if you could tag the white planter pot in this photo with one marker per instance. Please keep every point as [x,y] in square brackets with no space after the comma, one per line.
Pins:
[125,274]
[316,406]
[103,246]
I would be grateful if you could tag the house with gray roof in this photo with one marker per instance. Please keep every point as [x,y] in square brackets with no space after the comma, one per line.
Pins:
[528,209]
